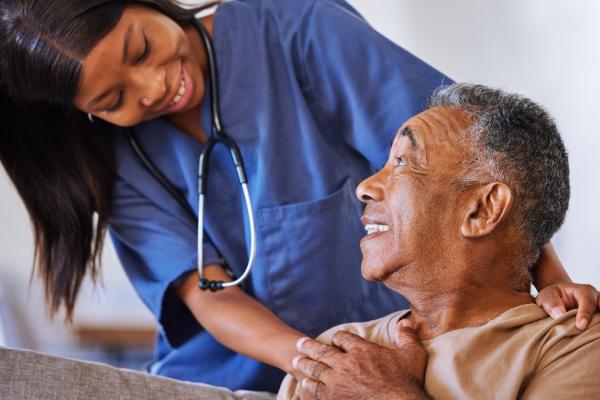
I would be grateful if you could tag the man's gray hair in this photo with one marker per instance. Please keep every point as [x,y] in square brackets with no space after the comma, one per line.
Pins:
[515,142]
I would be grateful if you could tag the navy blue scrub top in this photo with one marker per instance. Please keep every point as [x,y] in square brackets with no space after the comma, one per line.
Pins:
[313,96]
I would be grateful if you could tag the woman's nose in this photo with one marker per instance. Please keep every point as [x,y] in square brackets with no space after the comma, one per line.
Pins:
[371,189]
[153,86]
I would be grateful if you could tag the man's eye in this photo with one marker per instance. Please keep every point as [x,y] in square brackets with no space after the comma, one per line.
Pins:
[398,162]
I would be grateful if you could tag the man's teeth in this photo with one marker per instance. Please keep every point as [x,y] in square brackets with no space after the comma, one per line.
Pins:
[179,94]
[372,228]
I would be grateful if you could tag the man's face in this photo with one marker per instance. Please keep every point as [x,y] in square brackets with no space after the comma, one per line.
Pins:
[411,214]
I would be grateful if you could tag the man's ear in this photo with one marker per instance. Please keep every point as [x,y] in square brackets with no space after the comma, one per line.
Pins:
[486,208]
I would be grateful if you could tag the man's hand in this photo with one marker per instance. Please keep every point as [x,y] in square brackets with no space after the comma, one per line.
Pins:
[558,298]
[354,368]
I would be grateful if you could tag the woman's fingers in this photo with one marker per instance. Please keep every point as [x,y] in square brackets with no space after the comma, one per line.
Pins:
[586,297]
[551,301]
[558,298]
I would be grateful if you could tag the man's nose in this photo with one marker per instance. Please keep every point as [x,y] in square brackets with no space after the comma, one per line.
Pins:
[371,189]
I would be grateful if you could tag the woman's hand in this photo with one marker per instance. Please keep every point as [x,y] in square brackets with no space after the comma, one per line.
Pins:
[557,293]
[556,299]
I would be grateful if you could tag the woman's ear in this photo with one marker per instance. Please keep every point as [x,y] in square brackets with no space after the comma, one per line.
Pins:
[486,208]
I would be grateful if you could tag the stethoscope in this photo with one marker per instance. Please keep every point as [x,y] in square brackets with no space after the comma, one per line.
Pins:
[219,136]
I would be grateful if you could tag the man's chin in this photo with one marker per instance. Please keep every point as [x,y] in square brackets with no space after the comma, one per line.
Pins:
[374,273]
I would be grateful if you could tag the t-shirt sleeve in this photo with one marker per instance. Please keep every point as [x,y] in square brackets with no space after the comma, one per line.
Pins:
[157,247]
[364,84]
[571,370]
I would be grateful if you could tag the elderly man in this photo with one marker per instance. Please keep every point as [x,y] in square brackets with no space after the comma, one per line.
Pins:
[473,188]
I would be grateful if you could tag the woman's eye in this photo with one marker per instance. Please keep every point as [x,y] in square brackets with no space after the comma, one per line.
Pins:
[398,162]
[117,104]
[146,51]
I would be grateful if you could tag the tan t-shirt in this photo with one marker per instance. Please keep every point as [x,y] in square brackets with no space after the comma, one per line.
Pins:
[520,354]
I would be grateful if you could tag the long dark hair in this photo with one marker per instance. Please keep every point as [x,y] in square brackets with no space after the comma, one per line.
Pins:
[61,164]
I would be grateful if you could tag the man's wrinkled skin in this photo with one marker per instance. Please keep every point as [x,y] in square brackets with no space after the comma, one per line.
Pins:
[432,227]
[360,363]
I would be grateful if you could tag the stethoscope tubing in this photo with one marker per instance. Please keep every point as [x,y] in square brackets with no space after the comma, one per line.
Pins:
[252,253]
[219,137]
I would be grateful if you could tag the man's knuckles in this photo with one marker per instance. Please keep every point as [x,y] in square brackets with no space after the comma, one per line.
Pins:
[318,371]
[315,388]
[317,350]
[348,340]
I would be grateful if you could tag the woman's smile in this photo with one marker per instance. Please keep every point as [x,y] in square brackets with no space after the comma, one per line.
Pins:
[183,94]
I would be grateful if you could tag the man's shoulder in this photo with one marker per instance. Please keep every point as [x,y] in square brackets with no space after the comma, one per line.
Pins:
[536,356]
[562,339]
[377,330]
[568,364]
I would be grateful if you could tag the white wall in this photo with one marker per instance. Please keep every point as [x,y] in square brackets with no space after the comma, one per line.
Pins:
[548,50]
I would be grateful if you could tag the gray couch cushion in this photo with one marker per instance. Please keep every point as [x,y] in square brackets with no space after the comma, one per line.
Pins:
[30,375]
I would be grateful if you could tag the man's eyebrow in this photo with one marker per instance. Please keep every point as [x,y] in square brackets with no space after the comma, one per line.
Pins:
[126,43]
[406,131]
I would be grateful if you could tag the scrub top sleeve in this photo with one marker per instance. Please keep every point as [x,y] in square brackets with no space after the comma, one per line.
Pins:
[157,247]
[361,82]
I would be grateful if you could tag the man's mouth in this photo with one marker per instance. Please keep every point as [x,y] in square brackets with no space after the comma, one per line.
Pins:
[374,228]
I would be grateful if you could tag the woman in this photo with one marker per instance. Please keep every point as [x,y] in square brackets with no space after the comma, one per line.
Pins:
[311,94]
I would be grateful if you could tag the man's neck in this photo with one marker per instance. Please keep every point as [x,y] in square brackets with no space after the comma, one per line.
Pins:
[436,313]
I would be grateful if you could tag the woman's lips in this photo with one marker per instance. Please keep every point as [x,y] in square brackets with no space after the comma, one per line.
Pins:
[187,86]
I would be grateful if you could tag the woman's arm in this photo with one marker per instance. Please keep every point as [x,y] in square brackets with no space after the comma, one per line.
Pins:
[557,293]
[240,322]
[549,270]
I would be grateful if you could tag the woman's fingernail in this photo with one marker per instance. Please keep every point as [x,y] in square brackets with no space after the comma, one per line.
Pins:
[582,324]
[300,342]
[556,312]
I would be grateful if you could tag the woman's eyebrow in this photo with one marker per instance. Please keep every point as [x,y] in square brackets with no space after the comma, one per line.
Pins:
[92,104]
[126,43]
[126,40]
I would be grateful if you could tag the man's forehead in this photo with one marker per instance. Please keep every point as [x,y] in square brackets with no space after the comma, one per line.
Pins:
[434,125]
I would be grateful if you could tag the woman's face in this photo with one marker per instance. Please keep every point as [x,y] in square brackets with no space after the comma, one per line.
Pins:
[146,67]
